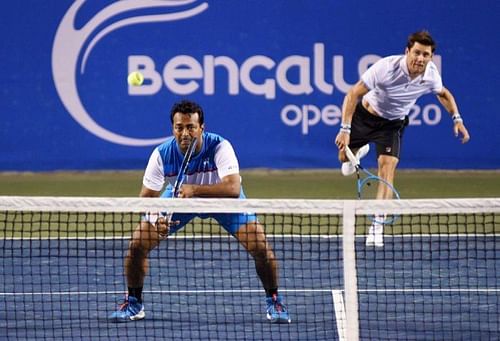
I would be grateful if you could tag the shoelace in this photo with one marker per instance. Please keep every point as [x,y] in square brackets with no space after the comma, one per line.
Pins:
[277,305]
[123,306]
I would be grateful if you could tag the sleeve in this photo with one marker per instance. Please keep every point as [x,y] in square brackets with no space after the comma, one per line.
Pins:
[375,73]
[153,176]
[225,160]
[437,81]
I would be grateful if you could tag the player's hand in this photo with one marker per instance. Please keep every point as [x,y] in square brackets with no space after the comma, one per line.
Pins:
[163,226]
[459,129]
[186,191]
[342,140]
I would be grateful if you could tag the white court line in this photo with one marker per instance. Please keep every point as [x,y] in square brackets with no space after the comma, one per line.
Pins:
[433,290]
[340,317]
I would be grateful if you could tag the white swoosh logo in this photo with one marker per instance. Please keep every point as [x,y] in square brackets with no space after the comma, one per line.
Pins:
[68,43]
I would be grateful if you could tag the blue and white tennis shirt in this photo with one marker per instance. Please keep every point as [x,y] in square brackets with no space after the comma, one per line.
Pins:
[216,160]
[392,91]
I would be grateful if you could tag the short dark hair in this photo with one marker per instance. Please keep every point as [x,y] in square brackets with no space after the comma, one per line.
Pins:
[423,37]
[187,107]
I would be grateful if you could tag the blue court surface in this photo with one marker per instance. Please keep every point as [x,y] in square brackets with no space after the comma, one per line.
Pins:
[415,288]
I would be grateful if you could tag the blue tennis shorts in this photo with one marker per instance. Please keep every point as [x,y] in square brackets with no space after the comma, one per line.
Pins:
[231,222]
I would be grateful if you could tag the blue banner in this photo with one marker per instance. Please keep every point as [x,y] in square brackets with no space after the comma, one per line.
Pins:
[270,75]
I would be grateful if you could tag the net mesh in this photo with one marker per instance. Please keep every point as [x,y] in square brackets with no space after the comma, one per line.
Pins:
[435,277]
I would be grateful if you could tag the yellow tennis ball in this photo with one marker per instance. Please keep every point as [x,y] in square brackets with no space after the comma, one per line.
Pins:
[135,78]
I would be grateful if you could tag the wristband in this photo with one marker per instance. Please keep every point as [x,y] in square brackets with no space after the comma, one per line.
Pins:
[345,128]
[457,118]
[150,217]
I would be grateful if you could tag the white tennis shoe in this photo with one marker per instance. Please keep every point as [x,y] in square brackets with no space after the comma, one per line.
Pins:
[347,167]
[375,235]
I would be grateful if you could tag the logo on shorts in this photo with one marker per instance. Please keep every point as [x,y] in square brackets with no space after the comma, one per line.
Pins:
[388,149]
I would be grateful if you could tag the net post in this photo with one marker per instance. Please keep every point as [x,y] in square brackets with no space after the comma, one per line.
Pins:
[350,278]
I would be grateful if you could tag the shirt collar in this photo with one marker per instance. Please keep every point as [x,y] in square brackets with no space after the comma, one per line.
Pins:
[404,66]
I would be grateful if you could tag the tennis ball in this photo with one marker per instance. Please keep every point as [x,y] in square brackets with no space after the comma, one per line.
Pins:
[135,78]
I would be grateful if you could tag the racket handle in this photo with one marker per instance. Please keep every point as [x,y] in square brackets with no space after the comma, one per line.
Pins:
[351,156]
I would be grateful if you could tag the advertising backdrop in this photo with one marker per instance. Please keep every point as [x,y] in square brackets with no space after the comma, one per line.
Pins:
[270,75]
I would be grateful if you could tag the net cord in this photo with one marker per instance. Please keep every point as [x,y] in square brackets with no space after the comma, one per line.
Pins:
[294,206]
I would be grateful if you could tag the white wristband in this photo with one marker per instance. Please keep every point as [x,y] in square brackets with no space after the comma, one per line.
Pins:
[345,128]
[151,217]
[457,118]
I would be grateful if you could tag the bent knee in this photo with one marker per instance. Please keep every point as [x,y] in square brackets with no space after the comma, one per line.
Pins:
[140,247]
[388,161]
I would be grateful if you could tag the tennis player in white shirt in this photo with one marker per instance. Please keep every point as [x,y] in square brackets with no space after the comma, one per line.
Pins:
[375,110]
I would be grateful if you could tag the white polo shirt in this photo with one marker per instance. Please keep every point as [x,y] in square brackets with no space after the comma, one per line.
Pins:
[392,91]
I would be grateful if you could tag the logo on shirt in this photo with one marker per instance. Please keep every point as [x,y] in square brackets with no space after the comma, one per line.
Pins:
[205,164]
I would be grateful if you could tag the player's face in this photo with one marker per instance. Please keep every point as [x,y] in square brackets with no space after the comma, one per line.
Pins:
[186,127]
[417,58]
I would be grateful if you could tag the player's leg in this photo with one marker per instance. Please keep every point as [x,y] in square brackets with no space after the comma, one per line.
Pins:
[145,238]
[386,170]
[388,142]
[250,234]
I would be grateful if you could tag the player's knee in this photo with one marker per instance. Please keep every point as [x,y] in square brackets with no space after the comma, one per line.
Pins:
[258,251]
[138,248]
[387,162]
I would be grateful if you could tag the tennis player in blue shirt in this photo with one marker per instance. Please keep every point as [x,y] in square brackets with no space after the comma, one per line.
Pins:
[213,172]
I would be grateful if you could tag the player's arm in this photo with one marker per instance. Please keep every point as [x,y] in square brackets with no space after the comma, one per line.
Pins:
[349,105]
[446,98]
[229,187]
[148,193]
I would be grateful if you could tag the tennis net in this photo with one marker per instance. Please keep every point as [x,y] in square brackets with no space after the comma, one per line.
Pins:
[434,278]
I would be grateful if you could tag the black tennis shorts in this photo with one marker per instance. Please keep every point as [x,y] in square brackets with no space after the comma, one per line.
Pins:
[386,134]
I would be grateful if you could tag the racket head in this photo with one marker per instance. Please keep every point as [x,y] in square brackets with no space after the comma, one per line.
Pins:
[367,190]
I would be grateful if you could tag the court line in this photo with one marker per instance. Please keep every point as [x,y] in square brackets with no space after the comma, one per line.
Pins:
[433,290]
[340,316]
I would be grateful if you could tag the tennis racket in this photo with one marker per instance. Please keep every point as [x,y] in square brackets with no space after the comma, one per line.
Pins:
[184,166]
[367,185]
[153,218]
[182,175]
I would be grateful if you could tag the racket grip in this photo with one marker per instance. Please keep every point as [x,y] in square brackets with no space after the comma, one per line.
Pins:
[351,156]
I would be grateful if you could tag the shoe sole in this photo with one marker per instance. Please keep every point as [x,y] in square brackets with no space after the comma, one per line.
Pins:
[141,315]
[278,320]
[373,243]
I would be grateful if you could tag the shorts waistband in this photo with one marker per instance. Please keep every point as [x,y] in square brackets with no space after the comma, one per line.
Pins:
[362,110]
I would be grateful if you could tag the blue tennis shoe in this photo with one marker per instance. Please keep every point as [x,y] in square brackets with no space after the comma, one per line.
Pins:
[276,310]
[130,310]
